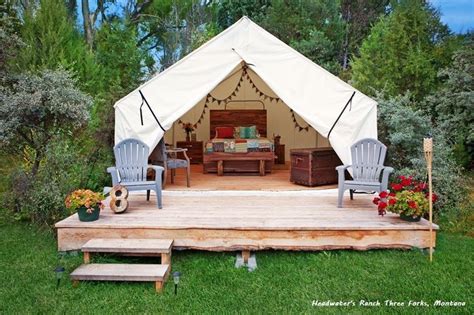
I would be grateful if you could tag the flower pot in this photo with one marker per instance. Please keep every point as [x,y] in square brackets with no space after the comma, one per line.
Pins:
[86,216]
[409,218]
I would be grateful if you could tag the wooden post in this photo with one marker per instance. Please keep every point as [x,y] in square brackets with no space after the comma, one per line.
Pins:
[246,255]
[428,150]
[159,286]
[87,257]
[166,259]
[262,167]
[220,168]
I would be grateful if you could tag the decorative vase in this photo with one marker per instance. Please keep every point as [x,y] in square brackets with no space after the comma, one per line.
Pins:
[409,218]
[84,216]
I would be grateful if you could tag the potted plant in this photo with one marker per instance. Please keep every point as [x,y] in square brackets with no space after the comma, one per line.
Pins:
[188,128]
[407,197]
[87,204]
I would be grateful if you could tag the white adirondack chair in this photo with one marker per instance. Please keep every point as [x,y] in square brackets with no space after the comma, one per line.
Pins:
[131,166]
[368,171]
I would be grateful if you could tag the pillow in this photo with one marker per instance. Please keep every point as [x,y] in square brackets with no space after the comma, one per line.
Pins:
[252,132]
[249,132]
[224,132]
[236,132]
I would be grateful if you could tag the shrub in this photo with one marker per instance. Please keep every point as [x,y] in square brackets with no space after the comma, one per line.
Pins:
[402,129]
[66,166]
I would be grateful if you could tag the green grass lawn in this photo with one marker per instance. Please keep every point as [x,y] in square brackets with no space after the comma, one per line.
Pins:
[285,282]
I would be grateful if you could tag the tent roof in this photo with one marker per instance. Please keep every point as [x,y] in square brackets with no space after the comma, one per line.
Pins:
[312,92]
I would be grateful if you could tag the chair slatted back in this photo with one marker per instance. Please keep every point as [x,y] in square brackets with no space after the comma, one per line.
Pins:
[368,156]
[131,160]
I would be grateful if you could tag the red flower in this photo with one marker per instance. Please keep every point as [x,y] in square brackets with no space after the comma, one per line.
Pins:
[382,205]
[420,186]
[376,200]
[406,181]
[383,194]
[391,194]
[397,187]
[434,197]
[392,201]
[382,212]
[412,204]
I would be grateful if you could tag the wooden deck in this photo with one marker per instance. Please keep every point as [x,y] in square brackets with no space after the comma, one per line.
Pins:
[251,220]
[278,179]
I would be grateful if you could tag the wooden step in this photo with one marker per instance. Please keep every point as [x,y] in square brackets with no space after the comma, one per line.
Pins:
[122,272]
[138,247]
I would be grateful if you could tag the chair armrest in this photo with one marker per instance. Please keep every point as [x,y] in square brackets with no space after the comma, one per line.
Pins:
[176,150]
[158,171]
[340,173]
[115,176]
[387,170]
[342,167]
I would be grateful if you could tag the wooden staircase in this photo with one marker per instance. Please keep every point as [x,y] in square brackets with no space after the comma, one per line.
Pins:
[157,273]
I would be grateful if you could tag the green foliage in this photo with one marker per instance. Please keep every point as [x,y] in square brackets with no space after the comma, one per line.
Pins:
[66,166]
[452,106]
[315,28]
[402,129]
[10,42]
[38,107]
[403,52]
[117,54]
[52,41]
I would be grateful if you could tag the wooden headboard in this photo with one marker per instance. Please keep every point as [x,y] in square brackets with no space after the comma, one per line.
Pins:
[238,117]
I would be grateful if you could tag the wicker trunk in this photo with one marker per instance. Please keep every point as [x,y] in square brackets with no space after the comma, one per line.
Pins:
[314,166]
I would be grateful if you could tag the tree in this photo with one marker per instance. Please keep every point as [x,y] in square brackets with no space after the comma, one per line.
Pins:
[359,16]
[122,63]
[36,109]
[52,41]
[10,42]
[403,52]
[452,106]
[315,28]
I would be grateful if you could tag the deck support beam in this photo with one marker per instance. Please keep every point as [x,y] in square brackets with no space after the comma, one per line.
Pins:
[246,256]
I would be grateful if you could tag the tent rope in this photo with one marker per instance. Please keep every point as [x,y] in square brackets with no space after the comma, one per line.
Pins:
[342,112]
[144,101]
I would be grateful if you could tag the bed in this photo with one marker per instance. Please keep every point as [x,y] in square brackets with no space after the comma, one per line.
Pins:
[235,155]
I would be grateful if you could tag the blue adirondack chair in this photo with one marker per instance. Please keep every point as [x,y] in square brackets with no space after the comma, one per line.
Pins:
[368,171]
[131,166]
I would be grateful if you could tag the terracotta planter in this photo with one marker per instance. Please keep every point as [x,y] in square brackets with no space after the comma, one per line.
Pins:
[409,218]
[84,216]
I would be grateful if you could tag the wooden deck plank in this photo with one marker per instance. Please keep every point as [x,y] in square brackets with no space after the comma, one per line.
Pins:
[120,272]
[129,246]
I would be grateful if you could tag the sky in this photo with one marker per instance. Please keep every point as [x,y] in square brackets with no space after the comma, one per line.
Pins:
[458,14]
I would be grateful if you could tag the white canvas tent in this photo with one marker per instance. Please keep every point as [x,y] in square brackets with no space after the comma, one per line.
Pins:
[312,92]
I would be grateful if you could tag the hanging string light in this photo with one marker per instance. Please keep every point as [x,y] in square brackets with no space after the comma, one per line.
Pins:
[244,76]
